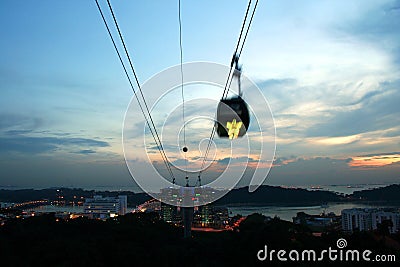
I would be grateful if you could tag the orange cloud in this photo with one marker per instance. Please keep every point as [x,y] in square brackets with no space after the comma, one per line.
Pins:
[374,160]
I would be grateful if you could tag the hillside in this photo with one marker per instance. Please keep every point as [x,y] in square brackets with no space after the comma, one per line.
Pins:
[389,193]
[264,195]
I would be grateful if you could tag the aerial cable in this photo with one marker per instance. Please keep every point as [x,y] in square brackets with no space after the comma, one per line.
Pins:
[248,28]
[133,89]
[230,76]
[146,117]
[234,62]
[241,31]
[185,149]
[159,144]
[236,54]
[134,73]
[240,42]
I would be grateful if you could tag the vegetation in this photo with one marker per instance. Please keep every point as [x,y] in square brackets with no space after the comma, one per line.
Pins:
[143,240]
[389,193]
[263,196]
[68,195]
[277,195]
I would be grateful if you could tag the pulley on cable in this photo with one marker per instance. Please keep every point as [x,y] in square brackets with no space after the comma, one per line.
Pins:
[233,116]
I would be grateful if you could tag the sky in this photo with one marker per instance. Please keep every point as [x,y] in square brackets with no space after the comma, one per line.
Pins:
[329,70]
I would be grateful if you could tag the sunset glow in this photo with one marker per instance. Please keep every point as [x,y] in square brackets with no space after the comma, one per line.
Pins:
[374,161]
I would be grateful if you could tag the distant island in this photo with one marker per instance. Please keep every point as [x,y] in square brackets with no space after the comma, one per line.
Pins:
[265,195]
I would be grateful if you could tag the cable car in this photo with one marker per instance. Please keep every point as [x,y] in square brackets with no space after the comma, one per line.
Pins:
[233,116]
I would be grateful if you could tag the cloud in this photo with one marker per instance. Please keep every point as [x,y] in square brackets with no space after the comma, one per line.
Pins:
[85,151]
[350,99]
[10,121]
[165,147]
[305,171]
[343,119]
[236,160]
[329,170]
[43,172]
[224,161]
[180,162]
[284,160]
[380,154]
[375,160]
[17,132]
[37,145]
[377,112]
[342,140]
[276,83]
[378,26]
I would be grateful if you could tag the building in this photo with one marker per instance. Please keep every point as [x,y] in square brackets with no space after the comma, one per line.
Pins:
[318,223]
[369,219]
[211,216]
[170,214]
[170,195]
[153,205]
[356,219]
[6,205]
[204,215]
[100,207]
[380,216]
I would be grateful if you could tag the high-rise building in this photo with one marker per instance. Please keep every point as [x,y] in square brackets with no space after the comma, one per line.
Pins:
[211,216]
[381,215]
[123,204]
[171,214]
[359,219]
[205,215]
[100,207]
[368,219]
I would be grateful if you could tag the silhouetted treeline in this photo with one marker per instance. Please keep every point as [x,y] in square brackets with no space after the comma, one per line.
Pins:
[389,193]
[277,195]
[262,196]
[68,194]
[144,240]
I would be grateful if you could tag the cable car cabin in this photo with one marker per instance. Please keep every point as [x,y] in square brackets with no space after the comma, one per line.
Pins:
[233,118]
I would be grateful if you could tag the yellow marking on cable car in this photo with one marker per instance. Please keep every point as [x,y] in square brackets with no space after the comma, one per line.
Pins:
[234,128]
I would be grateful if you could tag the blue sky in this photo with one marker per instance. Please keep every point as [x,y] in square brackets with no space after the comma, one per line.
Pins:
[329,69]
